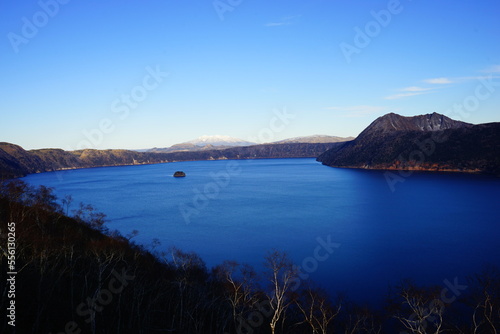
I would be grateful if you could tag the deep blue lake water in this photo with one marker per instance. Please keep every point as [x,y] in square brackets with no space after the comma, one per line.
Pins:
[345,228]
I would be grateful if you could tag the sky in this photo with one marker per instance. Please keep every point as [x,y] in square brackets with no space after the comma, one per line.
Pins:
[139,74]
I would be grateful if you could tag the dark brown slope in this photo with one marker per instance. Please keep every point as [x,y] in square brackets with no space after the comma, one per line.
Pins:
[428,142]
[15,161]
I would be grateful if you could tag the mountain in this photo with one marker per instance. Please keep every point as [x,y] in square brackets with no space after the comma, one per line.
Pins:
[315,139]
[430,122]
[426,142]
[17,162]
[218,140]
[204,143]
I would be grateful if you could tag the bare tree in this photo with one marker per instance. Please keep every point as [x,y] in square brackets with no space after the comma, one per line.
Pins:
[485,301]
[19,195]
[282,275]
[87,214]
[419,310]
[317,309]
[240,283]
[190,271]
[362,320]
[66,201]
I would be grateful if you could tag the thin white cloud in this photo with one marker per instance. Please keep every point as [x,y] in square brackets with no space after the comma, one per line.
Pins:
[492,69]
[415,89]
[403,95]
[359,111]
[464,79]
[478,77]
[443,82]
[409,91]
[285,21]
[438,81]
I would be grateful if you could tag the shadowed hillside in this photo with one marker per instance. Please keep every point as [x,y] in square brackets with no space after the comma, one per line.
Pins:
[429,142]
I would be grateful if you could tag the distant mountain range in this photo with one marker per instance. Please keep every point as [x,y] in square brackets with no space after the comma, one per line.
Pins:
[219,142]
[17,162]
[204,143]
[430,142]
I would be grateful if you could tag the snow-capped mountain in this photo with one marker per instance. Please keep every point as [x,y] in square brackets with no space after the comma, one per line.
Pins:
[219,140]
[205,143]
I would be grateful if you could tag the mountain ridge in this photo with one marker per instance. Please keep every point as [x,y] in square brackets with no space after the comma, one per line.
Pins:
[220,142]
[17,162]
[391,142]
[314,139]
[431,142]
[429,122]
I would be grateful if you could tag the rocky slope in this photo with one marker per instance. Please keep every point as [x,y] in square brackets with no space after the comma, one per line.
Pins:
[427,142]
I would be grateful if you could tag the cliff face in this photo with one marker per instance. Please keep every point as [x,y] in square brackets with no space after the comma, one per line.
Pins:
[429,142]
[17,162]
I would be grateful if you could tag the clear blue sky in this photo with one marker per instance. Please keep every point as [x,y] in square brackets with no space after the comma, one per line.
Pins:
[66,70]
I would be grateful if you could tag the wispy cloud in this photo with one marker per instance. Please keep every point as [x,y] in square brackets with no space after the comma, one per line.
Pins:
[403,95]
[285,21]
[457,80]
[409,91]
[493,69]
[359,111]
[415,89]
[444,82]
[439,81]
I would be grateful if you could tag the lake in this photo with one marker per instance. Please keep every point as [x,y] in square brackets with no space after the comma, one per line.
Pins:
[344,228]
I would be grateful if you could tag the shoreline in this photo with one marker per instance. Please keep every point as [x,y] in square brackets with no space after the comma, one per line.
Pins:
[434,170]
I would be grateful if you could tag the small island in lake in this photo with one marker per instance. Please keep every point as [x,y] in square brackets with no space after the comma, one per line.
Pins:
[179,174]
